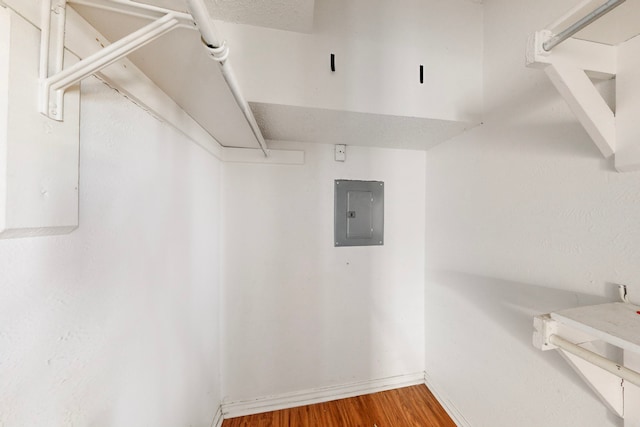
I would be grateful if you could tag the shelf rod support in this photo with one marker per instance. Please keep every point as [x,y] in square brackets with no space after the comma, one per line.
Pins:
[52,51]
[56,84]
[556,39]
[164,20]
[602,362]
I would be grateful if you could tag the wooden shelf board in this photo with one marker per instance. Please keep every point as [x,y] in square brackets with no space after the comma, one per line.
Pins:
[615,323]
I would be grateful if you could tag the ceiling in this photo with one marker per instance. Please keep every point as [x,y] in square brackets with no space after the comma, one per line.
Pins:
[290,15]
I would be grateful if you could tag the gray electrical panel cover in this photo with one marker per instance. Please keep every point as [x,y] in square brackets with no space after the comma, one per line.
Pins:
[359,213]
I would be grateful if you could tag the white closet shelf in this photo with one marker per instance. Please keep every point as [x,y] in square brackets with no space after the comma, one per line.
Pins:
[615,323]
[614,28]
[578,334]
[47,48]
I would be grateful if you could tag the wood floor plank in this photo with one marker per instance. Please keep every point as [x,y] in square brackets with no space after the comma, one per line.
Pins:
[405,407]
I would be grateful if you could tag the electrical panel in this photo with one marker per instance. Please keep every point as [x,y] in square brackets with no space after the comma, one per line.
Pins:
[359,213]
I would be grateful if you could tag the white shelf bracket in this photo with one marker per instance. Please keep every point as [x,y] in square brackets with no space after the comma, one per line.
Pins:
[572,62]
[52,52]
[54,79]
[581,335]
[586,103]
[569,67]
[608,387]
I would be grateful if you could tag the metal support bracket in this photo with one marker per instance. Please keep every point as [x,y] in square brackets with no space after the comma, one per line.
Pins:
[55,79]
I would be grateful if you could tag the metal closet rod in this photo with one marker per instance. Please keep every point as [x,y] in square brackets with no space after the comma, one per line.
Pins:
[556,39]
[219,53]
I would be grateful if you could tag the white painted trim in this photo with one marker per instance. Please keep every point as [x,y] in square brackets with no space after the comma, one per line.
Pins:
[627,87]
[217,418]
[255,155]
[318,395]
[627,159]
[445,402]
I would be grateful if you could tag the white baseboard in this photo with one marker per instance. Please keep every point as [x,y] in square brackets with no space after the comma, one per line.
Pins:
[445,402]
[318,395]
[217,418]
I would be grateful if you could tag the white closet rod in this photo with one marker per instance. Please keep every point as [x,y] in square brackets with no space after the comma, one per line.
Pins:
[220,53]
[556,39]
[608,365]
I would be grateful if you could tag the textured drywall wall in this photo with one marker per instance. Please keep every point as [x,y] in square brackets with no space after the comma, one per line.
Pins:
[524,216]
[117,323]
[300,313]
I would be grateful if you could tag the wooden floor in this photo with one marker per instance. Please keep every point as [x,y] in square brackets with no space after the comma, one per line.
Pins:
[405,407]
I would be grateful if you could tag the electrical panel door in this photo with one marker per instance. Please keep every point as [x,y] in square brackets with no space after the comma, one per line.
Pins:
[359,213]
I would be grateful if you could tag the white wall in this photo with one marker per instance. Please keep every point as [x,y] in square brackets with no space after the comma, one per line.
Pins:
[300,313]
[524,217]
[117,323]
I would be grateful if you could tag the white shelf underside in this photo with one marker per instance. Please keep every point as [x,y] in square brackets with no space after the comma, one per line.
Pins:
[617,26]
[614,323]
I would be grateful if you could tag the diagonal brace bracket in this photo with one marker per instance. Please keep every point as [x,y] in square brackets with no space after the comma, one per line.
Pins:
[613,382]
[586,103]
[569,67]
[54,80]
